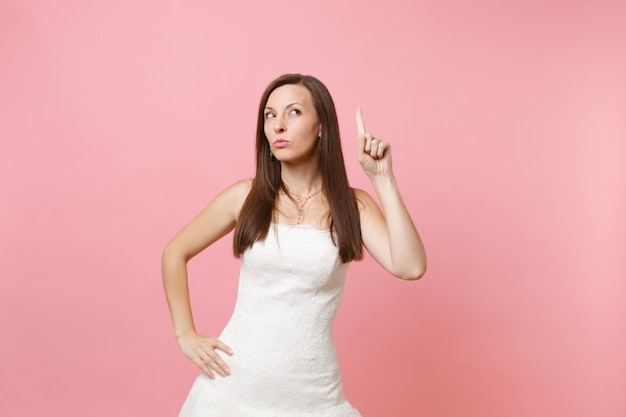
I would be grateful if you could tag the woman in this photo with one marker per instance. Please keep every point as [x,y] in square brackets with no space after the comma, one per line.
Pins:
[297,225]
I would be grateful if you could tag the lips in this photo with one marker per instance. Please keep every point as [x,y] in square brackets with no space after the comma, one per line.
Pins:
[281,143]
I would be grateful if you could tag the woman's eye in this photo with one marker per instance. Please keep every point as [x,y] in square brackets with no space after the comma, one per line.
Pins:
[294,111]
[269,115]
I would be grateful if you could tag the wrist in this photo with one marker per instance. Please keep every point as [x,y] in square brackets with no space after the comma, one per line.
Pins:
[180,334]
[383,178]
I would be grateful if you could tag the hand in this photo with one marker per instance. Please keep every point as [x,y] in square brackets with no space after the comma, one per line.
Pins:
[202,351]
[374,154]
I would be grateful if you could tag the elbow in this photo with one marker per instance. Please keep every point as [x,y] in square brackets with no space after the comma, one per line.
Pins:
[172,254]
[412,274]
[166,259]
[167,254]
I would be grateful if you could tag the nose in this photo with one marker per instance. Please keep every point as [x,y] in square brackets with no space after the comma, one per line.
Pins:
[279,125]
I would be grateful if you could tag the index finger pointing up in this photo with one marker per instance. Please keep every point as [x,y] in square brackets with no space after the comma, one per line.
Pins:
[360,126]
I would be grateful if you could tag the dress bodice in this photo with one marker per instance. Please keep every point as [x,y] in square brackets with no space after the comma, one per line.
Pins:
[284,362]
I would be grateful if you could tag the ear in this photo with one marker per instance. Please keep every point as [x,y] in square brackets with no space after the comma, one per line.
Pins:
[319,134]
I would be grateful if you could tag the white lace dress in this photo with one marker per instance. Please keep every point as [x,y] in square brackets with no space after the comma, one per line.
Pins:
[284,362]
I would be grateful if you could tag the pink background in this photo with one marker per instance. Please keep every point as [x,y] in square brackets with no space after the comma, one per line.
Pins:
[120,120]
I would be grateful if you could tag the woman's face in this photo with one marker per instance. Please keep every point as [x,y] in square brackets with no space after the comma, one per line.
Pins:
[291,125]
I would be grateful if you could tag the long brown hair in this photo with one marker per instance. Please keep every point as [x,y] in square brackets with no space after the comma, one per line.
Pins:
[256,213]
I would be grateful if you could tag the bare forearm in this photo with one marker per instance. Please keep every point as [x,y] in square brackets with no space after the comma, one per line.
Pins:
[177,293]
[406,250]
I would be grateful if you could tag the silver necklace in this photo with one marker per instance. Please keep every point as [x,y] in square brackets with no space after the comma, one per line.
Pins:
[301,201]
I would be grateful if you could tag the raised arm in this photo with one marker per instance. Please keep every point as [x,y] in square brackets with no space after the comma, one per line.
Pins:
[388,235]
[215,221]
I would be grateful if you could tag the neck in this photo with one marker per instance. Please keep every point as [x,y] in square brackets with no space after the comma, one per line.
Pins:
[302,182]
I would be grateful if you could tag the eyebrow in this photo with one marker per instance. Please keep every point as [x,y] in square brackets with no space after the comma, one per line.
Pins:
[288,106]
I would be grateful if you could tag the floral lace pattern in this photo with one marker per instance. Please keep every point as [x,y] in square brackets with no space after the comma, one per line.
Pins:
[284,362]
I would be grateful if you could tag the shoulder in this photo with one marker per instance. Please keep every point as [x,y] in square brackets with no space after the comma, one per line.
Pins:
[364,201]
[241,188]
[239,192]
[369,211]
